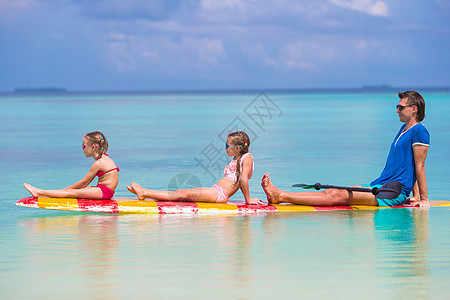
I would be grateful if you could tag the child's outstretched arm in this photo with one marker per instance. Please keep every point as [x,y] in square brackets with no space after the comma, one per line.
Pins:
[87,178]
[247,167]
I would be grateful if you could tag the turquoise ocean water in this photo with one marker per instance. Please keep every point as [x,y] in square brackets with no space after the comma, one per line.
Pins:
[333,138]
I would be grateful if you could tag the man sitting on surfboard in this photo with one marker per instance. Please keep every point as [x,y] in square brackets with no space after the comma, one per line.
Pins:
[405,164]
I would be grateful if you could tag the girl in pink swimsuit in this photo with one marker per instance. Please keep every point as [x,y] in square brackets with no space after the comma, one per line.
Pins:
[236,176]
[94,145]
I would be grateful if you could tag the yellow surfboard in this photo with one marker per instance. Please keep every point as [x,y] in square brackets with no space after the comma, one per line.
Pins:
[132,205]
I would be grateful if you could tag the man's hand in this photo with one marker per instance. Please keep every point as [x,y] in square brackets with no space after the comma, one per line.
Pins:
[422,203]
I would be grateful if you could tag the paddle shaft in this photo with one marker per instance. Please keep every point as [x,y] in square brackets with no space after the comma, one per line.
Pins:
[319,186]
[354,189]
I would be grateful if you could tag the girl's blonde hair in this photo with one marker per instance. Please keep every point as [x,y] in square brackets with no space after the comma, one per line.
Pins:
[241,139]
[99,140]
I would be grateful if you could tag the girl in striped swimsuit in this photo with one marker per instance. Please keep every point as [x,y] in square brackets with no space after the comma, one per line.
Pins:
[236,176]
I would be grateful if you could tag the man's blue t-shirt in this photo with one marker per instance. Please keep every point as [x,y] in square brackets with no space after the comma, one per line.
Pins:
[400,162]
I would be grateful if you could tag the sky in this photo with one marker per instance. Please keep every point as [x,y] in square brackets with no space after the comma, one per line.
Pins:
[118,45]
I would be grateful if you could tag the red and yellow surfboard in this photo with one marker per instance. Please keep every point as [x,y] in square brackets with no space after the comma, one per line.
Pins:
[132,205]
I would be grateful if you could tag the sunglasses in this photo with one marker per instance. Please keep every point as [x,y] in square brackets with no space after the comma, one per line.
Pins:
[228,146]
[401,107]
[83,146]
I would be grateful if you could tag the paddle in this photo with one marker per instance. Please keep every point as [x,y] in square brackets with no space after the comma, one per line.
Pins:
[389,190]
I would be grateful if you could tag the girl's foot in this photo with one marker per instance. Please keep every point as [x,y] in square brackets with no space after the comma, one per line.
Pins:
[33,191]
[130,189]
[271,191]
[136,189]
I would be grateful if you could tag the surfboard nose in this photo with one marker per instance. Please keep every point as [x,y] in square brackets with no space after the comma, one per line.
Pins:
[28,202]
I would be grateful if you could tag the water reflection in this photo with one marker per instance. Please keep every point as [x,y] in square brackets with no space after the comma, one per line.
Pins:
[328,252]
[62,247]
[338,250]
[402,249]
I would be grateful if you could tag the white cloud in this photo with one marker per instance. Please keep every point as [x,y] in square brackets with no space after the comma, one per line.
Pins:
[257,52]
[318,54]
[161,53]
[128,10]
[16,4]
[12,9]
[305,55]
[217,40]
[371,7]
[217,5]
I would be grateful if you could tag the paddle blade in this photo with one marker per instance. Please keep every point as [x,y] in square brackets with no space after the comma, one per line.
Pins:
[304,186]
[389,190]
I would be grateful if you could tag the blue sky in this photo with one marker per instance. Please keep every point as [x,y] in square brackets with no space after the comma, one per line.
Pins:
[99,45]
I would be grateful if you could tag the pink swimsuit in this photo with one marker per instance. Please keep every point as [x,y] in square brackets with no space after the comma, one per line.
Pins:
[230,173]
[107,193]
[101,173]
[230,169]
[221,195]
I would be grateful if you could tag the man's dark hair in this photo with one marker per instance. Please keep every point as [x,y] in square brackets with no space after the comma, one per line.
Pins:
[414,98]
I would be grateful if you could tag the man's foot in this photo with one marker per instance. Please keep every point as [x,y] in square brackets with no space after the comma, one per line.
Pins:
[271,191]
[136,189]
[33,191]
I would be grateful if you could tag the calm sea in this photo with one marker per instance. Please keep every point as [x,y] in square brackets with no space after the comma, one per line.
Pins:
[332,138]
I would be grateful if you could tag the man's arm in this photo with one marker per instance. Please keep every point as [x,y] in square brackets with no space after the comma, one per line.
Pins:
[420,155]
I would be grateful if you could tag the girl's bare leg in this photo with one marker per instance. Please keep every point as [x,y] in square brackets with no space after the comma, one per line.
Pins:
[195,194]
[90,192]
[330,197]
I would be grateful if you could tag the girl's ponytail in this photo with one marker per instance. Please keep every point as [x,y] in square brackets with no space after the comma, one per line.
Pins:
[103,144]
[241,139]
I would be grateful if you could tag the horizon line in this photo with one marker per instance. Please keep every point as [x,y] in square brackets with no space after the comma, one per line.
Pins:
[365,88]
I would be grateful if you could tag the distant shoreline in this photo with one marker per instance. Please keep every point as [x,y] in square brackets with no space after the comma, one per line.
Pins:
[364,89]
[39,90]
